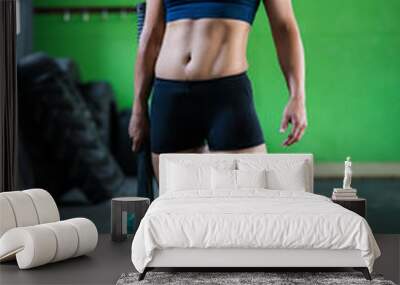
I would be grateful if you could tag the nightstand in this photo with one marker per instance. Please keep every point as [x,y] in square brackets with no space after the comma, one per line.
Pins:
[358,206]
[126,214]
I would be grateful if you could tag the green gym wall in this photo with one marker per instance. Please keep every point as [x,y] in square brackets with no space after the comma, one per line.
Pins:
[352,53]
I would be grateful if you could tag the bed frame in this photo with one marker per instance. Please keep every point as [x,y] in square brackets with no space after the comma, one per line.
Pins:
[246,259]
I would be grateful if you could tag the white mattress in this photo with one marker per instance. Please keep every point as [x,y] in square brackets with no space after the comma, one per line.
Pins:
[263,219]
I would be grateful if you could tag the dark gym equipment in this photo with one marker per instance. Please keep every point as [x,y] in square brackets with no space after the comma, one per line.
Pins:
[68,149]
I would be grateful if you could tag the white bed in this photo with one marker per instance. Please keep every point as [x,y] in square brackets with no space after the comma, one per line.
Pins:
[281,225]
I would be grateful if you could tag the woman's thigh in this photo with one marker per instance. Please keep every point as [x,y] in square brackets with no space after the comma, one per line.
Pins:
[262,148]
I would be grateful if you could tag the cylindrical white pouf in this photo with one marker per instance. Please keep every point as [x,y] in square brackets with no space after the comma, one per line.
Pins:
[23,208]
[67,240]
[33,246]
[87,234]
[45,205]
[40,244]
[7,218]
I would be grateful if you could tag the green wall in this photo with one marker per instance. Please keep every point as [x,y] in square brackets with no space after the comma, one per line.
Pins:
[353,79]
[353,71]
[104,49]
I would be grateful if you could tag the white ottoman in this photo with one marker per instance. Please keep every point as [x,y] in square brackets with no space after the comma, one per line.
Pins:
[31,231]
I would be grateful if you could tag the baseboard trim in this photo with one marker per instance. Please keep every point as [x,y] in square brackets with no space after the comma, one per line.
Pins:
[360,170]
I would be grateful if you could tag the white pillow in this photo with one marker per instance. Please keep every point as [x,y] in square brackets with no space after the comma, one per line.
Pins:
[225,179]
[188,177]
[186,174]
[282,174]
[251,178]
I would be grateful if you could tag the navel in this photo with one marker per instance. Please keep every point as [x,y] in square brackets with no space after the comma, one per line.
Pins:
[188,58]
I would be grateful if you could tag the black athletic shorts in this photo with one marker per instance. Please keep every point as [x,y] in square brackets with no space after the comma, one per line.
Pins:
[189,114]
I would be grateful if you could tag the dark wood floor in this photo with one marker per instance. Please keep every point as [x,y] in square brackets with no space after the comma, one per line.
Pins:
[389,262]
[110,260]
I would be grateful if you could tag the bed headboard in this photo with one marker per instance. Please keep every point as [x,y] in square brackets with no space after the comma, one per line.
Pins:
[279,162]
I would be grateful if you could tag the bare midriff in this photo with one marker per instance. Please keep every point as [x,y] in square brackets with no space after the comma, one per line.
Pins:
[203,49]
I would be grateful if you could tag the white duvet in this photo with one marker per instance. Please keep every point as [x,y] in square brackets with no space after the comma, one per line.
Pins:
[250,219]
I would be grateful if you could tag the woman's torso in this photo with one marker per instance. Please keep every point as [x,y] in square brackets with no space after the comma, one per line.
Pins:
[203,49]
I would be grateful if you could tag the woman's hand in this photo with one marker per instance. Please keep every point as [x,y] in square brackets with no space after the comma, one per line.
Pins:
[138,127]
[295,114]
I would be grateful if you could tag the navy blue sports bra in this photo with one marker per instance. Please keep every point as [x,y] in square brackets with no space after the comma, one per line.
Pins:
[244,10]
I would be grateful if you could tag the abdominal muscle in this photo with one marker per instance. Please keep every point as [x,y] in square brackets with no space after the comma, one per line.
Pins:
[203,49]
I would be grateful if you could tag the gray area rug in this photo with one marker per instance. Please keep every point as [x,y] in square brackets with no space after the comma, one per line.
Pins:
[244,278]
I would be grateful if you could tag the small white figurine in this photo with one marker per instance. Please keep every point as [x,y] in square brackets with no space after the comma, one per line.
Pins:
[347,174]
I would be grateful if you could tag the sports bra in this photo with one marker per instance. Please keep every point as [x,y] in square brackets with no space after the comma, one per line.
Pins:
[244,10]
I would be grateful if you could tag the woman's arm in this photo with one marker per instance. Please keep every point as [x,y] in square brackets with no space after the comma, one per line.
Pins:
[290,52]
[149,47]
